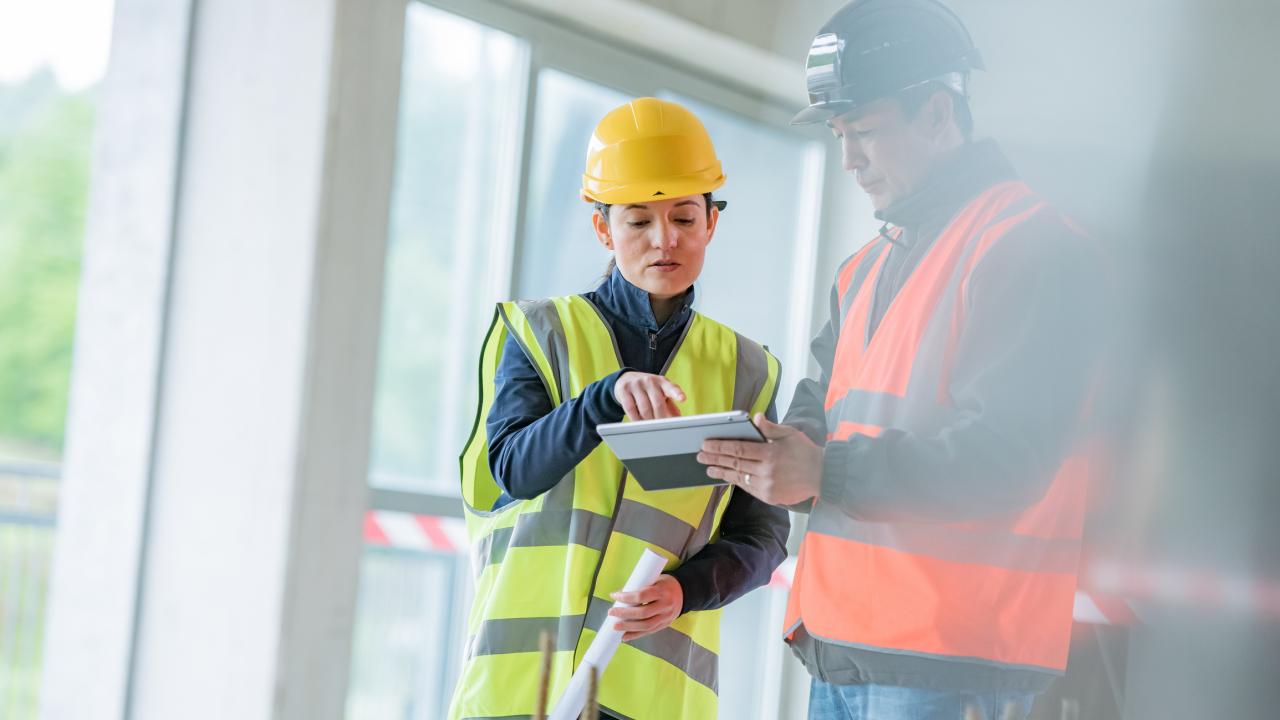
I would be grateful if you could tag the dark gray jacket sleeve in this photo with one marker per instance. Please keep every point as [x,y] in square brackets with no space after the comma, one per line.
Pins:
[1024,365]
[807,412]
[808,406]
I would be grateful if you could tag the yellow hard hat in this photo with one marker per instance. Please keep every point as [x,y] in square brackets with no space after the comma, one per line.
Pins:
[649,149]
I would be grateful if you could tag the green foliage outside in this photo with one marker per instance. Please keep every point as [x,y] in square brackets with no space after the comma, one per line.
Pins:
[45,142]
[45,145]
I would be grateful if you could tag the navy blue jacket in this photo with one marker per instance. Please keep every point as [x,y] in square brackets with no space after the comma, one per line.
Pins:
[533,445]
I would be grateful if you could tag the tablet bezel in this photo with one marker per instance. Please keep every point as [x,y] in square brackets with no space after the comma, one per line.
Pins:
[633,443]
[675,423]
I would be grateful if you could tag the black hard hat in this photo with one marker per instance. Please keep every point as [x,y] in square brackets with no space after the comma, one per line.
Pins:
[874,48]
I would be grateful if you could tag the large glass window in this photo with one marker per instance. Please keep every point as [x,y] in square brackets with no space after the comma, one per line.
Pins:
[456,164]
[560,254]
[452,210]
[414,593]
[50,71]
[759,268]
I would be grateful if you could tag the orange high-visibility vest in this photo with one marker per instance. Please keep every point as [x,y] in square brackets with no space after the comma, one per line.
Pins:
[994,591]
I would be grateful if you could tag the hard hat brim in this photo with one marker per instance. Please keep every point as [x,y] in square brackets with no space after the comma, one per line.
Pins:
[650,191]
[821,112]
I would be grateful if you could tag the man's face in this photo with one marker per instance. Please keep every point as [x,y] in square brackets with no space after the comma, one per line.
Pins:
[890,153]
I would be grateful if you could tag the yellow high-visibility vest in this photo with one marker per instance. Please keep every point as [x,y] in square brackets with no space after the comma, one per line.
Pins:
[550,563]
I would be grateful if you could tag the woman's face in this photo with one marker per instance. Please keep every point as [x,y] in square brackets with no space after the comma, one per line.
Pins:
[659,246]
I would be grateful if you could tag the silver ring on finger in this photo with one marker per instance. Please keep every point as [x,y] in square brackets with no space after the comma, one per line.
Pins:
[746,478]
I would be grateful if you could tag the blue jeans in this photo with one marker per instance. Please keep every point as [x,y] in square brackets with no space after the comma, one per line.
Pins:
[890,702]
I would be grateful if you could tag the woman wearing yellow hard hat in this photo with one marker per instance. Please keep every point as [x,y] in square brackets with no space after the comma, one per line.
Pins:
[556,523]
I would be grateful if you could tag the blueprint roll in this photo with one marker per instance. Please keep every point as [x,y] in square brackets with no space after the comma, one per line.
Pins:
[606,642]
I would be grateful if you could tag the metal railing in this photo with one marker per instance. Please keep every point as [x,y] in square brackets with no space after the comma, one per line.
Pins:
[28,502]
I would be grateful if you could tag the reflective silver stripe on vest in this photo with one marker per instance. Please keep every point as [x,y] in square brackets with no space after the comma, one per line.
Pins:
[668,644]
[708,523]
[654,526]
[865,408]
[617,352]
[515,635]
[860,273]
[666,531]
[1022,204]
[751,372]
[935,656]
[550,383]
[699,663]
[546,528]
[544,321]
[503,636]
[952,544]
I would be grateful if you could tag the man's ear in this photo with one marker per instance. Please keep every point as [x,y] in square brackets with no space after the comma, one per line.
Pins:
[601,225]
[939,112]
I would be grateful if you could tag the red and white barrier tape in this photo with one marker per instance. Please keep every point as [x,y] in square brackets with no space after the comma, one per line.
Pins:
[1097,608]
[425,533]
[1187,587]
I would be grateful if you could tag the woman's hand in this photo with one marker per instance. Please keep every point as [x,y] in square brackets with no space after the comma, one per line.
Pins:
[654,607]
[647,397]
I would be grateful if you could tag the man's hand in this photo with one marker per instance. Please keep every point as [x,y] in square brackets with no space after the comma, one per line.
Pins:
[647,397]
[654,607]
[786,470]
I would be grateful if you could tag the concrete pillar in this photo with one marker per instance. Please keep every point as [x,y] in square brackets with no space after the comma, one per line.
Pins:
[248,539]
[111,420]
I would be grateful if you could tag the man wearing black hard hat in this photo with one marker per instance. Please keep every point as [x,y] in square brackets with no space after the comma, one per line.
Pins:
[942,452]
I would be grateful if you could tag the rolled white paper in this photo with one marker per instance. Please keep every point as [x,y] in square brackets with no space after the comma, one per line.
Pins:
[606,642]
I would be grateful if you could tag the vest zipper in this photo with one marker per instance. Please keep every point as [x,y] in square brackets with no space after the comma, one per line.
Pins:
[622,485]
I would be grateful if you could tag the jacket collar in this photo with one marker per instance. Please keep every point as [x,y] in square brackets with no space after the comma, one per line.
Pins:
[962,176]
[631,304]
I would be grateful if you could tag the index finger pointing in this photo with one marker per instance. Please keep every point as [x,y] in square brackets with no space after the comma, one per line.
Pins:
[672,390]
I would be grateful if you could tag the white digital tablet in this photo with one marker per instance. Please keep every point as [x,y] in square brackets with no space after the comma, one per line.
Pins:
[663,454]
